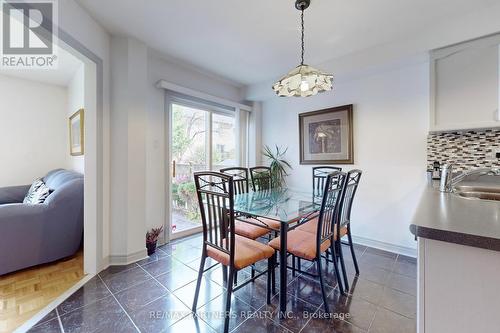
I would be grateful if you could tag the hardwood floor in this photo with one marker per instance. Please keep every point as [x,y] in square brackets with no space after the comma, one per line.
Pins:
[24,293]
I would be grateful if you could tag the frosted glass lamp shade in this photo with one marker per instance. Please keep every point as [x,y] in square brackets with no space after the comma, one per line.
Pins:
[303,81]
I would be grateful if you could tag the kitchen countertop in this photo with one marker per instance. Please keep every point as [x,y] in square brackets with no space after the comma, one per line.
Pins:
[450,218]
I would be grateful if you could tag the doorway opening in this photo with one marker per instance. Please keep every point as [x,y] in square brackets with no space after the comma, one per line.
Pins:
[80,78]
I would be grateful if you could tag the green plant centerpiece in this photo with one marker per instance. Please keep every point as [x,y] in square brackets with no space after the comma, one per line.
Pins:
[278,164]
[152,238]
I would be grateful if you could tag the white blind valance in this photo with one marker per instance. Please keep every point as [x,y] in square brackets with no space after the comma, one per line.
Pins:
[194,95]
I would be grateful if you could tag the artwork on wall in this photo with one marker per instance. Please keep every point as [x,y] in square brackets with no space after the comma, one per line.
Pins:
[326,136]
[76,133]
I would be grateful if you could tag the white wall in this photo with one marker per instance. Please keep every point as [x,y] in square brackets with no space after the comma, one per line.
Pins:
[390,126]
[81,26]
[128,156]
[33,130]
[76,101]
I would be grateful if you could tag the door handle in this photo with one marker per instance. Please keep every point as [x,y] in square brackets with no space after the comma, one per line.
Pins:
[173,169]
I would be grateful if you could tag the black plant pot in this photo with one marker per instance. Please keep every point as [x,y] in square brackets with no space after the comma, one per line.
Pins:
[151,248]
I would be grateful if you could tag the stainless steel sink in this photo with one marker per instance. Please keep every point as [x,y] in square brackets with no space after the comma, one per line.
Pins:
[477,188]
[480,195]
[478,192]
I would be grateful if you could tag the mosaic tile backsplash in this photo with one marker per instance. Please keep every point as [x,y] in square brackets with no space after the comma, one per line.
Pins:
[467,150]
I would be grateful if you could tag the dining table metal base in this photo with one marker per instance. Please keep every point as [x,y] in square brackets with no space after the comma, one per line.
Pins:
[283,268]
[282,205]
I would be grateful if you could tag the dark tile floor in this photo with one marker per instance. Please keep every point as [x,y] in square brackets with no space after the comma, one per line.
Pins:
[155,295]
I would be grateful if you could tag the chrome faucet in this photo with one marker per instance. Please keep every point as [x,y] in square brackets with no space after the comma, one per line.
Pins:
[448,181]
[446,178]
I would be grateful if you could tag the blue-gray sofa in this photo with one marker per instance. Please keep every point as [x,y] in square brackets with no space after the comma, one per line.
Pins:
[37,234]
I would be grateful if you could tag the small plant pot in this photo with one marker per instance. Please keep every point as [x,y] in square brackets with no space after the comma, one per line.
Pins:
[151,248]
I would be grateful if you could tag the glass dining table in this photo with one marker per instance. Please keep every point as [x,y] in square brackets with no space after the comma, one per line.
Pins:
[284,205]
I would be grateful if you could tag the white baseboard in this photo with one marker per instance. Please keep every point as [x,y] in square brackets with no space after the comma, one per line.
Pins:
[161,242]
[104,264]
[407,251]
[125,259]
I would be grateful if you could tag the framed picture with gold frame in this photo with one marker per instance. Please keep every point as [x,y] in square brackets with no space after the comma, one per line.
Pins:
[326,136]
[77,133]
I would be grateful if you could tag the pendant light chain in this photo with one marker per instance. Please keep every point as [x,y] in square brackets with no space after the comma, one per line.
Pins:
[302,24]
[303,80]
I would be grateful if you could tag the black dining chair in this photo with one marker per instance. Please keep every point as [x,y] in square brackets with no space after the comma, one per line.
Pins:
[319,175]
[311,246]
[240,178]
[351,187]
[261,178]
[245,226]
[215,192]
[252,228]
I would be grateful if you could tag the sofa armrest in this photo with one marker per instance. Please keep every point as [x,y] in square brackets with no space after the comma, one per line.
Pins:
[13,194]
[10,213]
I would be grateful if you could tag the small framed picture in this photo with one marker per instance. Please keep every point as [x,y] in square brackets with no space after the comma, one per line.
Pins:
[326,136]
[76,133]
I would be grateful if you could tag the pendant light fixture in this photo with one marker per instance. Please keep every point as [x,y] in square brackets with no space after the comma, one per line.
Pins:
[303,80]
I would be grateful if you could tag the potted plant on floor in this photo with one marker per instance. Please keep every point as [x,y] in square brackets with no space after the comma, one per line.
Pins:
[151,239]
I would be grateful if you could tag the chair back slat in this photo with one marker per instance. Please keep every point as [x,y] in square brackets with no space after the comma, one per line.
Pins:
[215,197]
[352,182]
[319,178]
[240,178]
[261,178]
[330,205]
[211,236]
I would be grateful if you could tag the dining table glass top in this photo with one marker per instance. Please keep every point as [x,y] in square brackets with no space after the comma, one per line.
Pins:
[284,205]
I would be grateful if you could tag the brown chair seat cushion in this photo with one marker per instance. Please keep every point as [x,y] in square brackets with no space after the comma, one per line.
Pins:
[265,222]
[312,227]
[246,252]
[301,244]
[273,224]
[249,230]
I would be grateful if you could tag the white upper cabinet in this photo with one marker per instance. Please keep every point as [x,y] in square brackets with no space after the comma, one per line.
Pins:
[465,85]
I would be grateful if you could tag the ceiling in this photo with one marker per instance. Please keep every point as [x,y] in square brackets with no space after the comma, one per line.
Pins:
[67,65]
[253,41]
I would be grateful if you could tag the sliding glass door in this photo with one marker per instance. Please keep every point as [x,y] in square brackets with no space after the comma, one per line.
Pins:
[223,141]
[201,139]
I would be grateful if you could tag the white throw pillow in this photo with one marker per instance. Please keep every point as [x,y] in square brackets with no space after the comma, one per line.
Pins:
[36,184]
[37,193]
